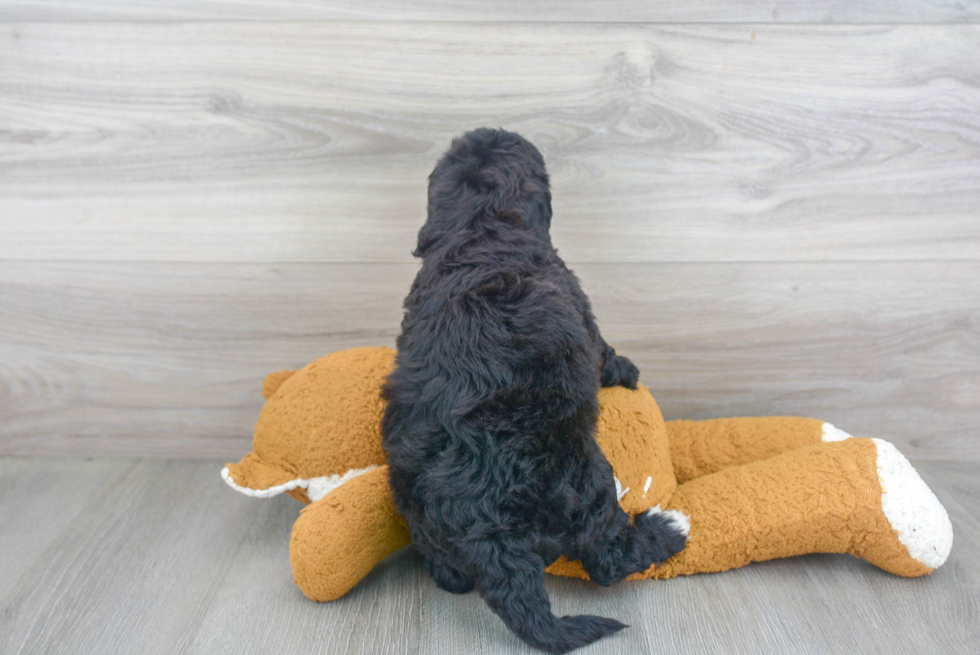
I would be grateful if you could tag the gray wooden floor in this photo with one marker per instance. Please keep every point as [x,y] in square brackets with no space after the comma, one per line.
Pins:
[158,556]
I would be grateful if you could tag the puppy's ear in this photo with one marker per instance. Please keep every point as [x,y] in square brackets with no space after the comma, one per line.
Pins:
[537,215]
[427,238]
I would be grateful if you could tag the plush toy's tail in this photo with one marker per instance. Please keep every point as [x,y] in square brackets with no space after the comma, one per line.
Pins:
[513,587]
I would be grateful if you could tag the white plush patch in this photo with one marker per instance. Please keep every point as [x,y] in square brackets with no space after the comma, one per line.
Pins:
[620,492]
[912,509]
[316,488]
[830,433]
[680,520]
[646,487]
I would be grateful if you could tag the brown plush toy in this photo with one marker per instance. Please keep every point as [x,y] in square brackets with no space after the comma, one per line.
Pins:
[750,489]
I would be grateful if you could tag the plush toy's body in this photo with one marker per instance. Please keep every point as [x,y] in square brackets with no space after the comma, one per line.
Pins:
[753,489]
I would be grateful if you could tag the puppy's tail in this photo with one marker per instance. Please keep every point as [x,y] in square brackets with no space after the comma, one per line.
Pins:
[513,586]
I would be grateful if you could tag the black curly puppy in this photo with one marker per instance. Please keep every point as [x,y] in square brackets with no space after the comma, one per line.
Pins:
[492,405]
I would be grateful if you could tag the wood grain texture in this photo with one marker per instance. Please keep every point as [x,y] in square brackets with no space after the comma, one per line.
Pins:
[132,570]
[311,142]
[156,556]
[620,11]
[167,359]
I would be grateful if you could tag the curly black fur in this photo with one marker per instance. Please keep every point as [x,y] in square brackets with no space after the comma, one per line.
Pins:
[492,406]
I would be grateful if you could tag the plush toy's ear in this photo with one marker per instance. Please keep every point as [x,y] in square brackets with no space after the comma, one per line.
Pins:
[273,381]
[428,235]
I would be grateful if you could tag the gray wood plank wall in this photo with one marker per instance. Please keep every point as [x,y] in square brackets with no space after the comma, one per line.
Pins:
[620,11]
[770,218]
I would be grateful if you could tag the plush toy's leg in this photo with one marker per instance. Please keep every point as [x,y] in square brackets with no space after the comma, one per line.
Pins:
[701,447]
[338,539]
[858,496]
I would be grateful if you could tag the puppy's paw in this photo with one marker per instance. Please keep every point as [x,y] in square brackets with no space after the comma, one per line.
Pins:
[449,579]
[667,532]
[620,371]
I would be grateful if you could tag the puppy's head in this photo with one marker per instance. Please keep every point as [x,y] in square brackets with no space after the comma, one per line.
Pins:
[487,175]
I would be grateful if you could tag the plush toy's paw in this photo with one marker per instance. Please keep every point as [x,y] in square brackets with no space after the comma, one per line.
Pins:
[620,371]
[914,513]
[666,530]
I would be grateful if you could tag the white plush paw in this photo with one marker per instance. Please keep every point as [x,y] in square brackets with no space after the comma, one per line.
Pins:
[912,509]
[830,433]
[680,520]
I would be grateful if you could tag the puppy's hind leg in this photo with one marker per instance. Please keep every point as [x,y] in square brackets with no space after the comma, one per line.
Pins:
[447,577]
[617,548]
[512,584]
